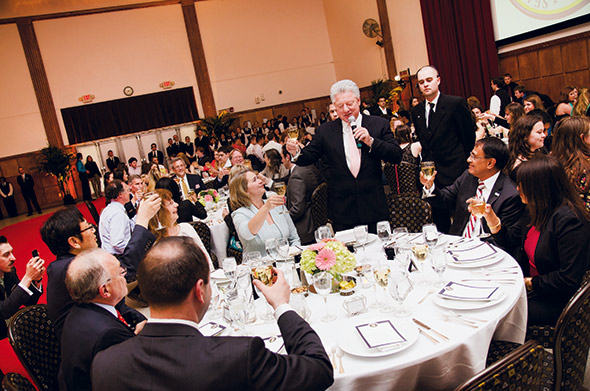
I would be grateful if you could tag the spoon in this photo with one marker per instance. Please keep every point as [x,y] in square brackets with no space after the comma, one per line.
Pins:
[340,354]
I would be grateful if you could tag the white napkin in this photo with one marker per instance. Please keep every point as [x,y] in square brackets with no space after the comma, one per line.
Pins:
[379,335]
[472,254]
[460,291]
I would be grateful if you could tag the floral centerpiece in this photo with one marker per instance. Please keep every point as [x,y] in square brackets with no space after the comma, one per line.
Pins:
[329,255]
[209,195]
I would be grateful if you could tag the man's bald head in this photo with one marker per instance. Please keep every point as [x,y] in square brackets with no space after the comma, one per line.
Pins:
[86,273]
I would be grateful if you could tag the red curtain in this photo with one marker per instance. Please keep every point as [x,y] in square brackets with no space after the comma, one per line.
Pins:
[460,42]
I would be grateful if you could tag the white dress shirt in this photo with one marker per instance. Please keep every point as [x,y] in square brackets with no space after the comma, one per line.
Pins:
[115,228]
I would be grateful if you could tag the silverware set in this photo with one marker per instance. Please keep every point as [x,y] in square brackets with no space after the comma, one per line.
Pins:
[426,330]
[340,353]
[451,316]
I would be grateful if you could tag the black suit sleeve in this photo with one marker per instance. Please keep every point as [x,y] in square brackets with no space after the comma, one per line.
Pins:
[141,240]
[131,316]
[385,147]
[15,296]
[465,126]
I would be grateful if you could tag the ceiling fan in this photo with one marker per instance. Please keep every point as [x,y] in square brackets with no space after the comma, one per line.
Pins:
[371,29]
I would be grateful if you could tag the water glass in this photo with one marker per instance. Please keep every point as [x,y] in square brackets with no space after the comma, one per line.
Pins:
[400,232]
[361,234]
[271,248]
[238,312]
[300,305]
[283,248]
[430,234]
[323,232]
[438,261]
[322,283]
[230,267]
[400,286]
[384,231]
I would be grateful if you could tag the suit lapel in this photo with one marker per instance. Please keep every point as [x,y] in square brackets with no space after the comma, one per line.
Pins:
[439,114]
[496,190]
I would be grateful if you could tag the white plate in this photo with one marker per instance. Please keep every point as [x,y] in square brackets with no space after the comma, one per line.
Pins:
[468,304]
[351,342]
[219,275]
[348,238]
[420,240]
[475,264]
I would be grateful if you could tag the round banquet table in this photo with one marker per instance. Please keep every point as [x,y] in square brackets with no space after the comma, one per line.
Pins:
[219,229]
[424,365]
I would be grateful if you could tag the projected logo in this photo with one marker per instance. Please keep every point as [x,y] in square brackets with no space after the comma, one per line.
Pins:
[549,9]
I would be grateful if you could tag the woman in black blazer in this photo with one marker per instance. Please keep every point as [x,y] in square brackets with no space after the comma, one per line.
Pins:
[555,247]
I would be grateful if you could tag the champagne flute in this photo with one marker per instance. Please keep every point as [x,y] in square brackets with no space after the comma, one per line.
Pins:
[361,234]
[229,266]
[281,189]
[478,208]
[293,133]
[262,270]
[322,283]
[399,288]
[368,281]
[427,169]
[420,252]
[381,273]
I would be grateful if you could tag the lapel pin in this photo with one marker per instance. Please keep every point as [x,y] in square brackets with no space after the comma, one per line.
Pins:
[497,194]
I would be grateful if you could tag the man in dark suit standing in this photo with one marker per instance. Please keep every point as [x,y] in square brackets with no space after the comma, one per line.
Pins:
[483,179]
[67,234]
[27,187]
[112,161]
[353,147]
[171,149]
[381,110]
[202,141]
[154,153]
[96,282]
[14,292]
[171,353]
[446,132]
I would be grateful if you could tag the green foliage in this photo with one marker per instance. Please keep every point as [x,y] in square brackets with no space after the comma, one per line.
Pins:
[381,88]
[56,162]
[217,125]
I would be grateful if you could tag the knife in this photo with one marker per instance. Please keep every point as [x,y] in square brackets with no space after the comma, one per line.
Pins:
[429,328]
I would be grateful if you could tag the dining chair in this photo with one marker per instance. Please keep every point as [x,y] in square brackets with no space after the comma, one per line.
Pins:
[402,178]
[319,205]
[16,382]
[93,211]
[33,339]
[205,234]
[519,370]
[232,248]
[408,211]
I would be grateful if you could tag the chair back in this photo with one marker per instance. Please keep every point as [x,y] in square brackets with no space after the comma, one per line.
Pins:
[408,211]
[319,205]
[402,178]
[33,339]
[93,211]
[572,341]
[519,370]
[205,234]
[16,382]
[233,251]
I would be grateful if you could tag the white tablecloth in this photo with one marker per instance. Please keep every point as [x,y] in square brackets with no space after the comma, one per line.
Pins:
[424,365]
[219,231]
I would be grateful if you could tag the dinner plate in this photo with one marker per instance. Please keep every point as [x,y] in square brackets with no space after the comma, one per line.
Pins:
[350,341]
[348,238]
[420,240]
[475,264]
[468,304]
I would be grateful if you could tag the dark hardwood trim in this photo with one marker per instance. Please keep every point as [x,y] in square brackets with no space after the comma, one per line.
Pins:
[532,48]
[92,11]
[40,82]
[198,55]
[387,41]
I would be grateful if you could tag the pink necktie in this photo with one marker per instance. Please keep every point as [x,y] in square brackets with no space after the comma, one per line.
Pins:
[355,154]
[472,218]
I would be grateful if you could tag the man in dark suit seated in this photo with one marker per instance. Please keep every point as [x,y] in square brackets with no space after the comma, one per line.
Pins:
[96,282]
[170,353]
[188,183]
[67,234]
[488,158]
[381,110]
[14,292]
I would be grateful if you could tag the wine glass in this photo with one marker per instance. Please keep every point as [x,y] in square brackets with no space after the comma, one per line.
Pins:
[400,232]
[381,273]
[368,281]
[361,234]
[244,284]
[384,231]
[399,288]
[322,283]
[282,248]
[427,169]
[430,234]
[478,208]
[262,270]
[281,189]
[230,267]
[420,252]
[438,261]
[271,248]
[214,311]
[238,313]
[323,232]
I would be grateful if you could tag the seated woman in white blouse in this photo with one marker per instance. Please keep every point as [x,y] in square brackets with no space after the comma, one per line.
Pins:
[167,216]
[256,220]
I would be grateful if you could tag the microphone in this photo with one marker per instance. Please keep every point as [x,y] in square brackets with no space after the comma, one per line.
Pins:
[352,122]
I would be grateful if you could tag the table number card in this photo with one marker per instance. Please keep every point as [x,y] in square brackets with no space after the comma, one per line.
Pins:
[355,305]
[380,334]
[211,329]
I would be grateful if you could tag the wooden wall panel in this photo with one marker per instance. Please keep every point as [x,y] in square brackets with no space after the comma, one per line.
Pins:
[550,61]
[549,66]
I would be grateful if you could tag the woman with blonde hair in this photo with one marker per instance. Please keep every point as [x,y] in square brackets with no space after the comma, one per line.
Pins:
[582,105]
[257,220]
[164,223]
[571,138]
[153,176]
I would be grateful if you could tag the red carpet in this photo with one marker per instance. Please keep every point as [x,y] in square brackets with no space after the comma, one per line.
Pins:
[24,237]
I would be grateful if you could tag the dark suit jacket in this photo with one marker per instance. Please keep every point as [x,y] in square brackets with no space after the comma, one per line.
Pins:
[562,256]
[302,182]
[202,142]
[351,200]
[112,163]
[12,297]
[157,154]
[59,302]
[186,211]
[88,329]
[26,186]
[376,111]
[504,199]
[172,150]
[188,148]
[450,138]
[179,357]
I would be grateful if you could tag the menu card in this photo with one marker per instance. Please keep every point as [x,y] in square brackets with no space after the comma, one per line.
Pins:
[211,329]
[459,291]
[274,343]
[381,334]
[478,253]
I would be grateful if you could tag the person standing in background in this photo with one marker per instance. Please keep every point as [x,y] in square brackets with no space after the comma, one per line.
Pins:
[93,174]
[7,194]
[27,187]
[82,174]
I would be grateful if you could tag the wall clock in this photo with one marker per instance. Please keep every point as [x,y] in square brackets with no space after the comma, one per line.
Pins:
[128,91]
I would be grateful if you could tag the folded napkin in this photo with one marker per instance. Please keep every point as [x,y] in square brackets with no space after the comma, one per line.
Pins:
[480,252]
[218,274]
[458,291]
[380,335]
[211,329]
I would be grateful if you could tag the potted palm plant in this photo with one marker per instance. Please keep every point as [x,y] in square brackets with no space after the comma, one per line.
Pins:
[56,162]
[217,125]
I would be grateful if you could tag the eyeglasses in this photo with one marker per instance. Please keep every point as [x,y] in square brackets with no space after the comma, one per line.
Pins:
[472,156]
[91,226]
[123,273]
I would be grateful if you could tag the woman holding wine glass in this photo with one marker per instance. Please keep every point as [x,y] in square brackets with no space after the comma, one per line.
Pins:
[257,220]
[164,223]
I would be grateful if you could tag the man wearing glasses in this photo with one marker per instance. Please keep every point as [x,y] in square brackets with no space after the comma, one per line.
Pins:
[484,176]
[96,282]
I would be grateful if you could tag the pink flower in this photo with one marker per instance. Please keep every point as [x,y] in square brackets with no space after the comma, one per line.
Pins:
[317,246]
[208,198]
[325,259]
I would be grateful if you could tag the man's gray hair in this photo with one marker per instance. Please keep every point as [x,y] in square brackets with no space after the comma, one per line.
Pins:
[344,86]
[85,275]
